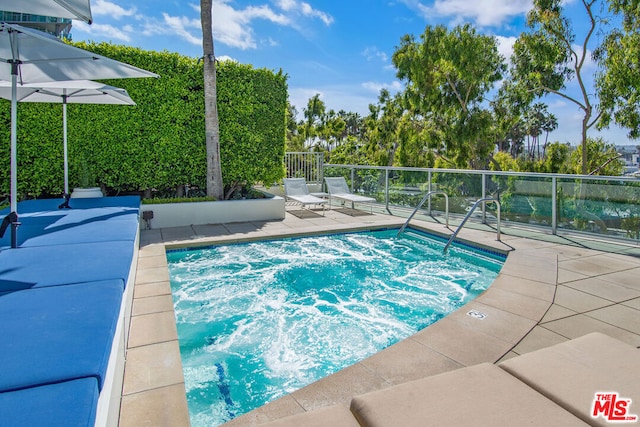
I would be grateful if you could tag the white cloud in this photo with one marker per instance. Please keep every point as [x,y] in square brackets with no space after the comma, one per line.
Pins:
[286,5]
[376,87]
[307,10]
[106,8]
[484,13]
[505,46]
[304,9]
[104,30]
[372,53]
[232,27]
[182,27]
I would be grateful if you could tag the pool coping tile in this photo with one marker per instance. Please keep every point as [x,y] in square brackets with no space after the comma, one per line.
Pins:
[152,366]
[158,407]
[152,304]
[408,360]
[152,328]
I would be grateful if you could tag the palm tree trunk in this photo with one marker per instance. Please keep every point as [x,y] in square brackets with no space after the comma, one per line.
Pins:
[212,130]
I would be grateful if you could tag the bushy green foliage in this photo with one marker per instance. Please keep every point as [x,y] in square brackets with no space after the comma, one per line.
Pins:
[505,161]
[159,143]
[252,106]
[602,158]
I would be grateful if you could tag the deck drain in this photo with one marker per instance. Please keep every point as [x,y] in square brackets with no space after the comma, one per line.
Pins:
[477,314]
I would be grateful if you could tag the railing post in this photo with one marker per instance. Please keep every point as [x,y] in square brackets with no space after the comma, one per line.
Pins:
[386,188]
[554,205]
[353,179]
[484,196]
[429,191]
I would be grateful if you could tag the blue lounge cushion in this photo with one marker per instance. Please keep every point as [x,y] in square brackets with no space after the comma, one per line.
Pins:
[41,266]
[32,233]
[41,205]
[68,404]
[58,333]
[43,224]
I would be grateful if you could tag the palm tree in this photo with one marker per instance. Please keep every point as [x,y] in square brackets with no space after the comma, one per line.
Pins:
[212,130]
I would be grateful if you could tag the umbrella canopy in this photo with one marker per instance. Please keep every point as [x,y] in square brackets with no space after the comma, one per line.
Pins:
[68,92]
[33,56]
[30,56]
[74,9]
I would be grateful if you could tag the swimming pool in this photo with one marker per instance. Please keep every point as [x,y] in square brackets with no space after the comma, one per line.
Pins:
[259,320]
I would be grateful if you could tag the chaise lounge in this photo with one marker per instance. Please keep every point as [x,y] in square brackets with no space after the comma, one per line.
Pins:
[337,188]
[296,189]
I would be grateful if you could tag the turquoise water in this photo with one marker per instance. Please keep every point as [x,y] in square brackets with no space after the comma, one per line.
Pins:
[259,320]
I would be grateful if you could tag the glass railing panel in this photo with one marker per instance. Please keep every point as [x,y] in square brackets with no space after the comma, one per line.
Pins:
[523,199]
[609,207]
[408,187]
[597,205]
[462,187]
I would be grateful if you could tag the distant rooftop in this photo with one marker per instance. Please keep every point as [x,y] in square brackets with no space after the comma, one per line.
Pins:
[59,27]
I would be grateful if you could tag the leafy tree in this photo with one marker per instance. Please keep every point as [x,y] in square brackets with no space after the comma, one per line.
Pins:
[215,186]
[382,126]
[331,129]
[547,57]
[509,126]
[505,162]
[603,159]
[313,114]
[354,124]
[322,130]
[618,82]
[294,138]
[539,120]
[350,152]
[447,76]
[557,158]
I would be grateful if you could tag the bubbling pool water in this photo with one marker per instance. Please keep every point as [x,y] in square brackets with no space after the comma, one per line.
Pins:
[259,320]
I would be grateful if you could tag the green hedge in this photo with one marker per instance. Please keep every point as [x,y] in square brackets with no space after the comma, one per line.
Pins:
[159,144]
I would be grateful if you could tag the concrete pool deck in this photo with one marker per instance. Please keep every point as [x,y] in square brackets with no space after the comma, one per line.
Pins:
[550,290]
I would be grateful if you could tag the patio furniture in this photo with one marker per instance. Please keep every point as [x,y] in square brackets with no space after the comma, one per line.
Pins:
[296,189]
[338,188]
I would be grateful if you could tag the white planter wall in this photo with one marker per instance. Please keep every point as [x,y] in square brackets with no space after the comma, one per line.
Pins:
[219,212]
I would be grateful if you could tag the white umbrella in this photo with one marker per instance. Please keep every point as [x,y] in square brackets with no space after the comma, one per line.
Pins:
[74,9]
[31,56]
[68,92]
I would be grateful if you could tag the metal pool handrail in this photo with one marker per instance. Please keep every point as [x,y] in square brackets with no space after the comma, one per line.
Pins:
[424,199]
[473,208]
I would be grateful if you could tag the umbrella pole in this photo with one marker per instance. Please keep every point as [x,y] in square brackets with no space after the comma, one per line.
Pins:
[13,215]
[14,151]
[66,155]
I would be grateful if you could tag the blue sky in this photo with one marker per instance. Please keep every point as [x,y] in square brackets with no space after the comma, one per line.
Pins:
[340,49]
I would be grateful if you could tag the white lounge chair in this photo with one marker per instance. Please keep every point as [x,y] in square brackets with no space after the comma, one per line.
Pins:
[296,189]
[337,188]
